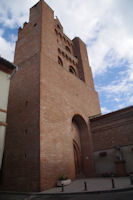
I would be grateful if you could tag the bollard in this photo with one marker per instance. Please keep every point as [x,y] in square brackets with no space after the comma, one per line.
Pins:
[62,187]
[131,179]
[113,183]
[85,186]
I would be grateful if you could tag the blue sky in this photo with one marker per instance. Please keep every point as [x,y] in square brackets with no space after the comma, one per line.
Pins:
[104,25]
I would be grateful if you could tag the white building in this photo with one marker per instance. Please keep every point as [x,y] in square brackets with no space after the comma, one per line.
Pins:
[7,70]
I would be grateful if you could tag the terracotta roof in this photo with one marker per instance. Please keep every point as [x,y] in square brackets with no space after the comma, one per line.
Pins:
[122,110]
[7,63]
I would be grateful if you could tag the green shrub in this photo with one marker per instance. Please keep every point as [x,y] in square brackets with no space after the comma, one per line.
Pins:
[63,177]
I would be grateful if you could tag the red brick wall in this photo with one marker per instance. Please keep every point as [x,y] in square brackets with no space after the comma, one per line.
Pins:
[62,96]
[113,129]
[22,149]
[54,96]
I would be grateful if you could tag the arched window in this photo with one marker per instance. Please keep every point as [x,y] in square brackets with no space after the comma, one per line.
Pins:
[58,26]
[60,35]
[59,50]
[66,56]
[56,31]
[70,59]
[60,61]
[63,53]
[72,70]
[67,48]
[68,42]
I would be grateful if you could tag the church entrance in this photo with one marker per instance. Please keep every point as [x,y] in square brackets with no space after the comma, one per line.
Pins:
[77,159]
[82,148]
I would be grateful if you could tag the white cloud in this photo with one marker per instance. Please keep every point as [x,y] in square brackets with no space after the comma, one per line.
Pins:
[104,110]
[120,92]
[118,87]
[105,25]
[1,32]
[7,49]
[117,99]
[14,13]
[131,100]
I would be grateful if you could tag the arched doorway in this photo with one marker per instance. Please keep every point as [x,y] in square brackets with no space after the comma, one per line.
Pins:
[82,147]
[77,158]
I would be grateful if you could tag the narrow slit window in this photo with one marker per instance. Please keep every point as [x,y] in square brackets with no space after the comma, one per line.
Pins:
[60,61]
[68,49]
[72,70]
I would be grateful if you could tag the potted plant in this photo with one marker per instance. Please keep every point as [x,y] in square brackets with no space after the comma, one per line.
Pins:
[63,180]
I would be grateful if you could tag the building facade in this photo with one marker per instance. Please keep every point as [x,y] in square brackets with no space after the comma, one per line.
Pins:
[50,100]
[6,72]
[55,125]
[113,142]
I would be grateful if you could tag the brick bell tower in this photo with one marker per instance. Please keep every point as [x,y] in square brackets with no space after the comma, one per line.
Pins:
[51,98]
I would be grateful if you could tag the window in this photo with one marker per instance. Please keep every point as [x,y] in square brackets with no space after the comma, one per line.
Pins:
[68,42]
[60,61]
[35,24]
[66,56]
[67,48]
[58,26]
[60,35]
[103,154]
[72,70]
[56,31]
[59,50]
[70,59]
[63,54]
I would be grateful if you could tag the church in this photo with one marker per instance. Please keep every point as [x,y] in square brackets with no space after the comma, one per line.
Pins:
[55,125]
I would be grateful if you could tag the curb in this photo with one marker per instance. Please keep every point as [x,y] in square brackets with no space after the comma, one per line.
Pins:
[64,193]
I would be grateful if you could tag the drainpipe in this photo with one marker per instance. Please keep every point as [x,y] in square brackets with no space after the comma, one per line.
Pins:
[14,72]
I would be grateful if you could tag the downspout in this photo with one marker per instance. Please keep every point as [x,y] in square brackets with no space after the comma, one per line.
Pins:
[14,72]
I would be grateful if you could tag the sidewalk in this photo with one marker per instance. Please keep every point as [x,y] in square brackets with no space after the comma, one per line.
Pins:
[93,185]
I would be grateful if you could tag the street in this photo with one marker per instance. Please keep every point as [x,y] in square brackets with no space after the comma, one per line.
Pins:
[123,195]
